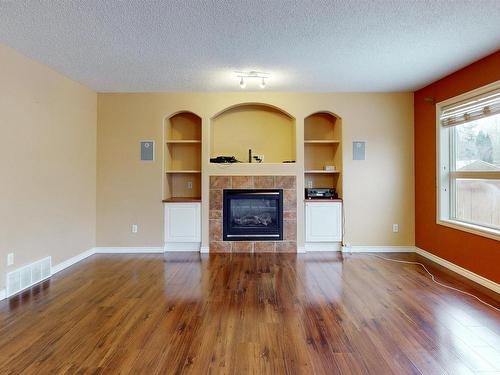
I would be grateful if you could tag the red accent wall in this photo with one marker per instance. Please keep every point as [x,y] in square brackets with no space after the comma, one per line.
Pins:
[478,254]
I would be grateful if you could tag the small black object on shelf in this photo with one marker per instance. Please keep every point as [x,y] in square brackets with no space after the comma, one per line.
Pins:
[224,159]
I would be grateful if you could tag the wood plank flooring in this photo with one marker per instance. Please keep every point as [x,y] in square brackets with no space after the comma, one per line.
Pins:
[317,313]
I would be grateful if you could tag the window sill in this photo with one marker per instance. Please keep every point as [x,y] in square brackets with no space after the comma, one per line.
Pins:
[471,228]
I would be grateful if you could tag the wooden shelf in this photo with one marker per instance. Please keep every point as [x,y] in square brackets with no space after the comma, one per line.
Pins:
[183,141]
[322,200]
[181,199]
[321,141]
[184,171]
[321,171]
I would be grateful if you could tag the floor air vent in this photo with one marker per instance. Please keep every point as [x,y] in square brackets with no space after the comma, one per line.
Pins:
[27,276]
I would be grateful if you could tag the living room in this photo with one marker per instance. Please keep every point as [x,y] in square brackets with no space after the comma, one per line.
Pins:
[247,187]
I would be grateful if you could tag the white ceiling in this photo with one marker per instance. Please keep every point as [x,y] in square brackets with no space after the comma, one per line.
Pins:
[308,45]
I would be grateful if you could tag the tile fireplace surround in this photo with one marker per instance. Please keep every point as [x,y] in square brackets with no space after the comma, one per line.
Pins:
[287,183]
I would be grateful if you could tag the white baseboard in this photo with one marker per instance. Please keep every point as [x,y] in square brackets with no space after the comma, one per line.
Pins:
[204,249]
[378,249]
[3,294]
[128,250]
[182,246]
[301,249]
[460,270]
[69,262]
[322,246]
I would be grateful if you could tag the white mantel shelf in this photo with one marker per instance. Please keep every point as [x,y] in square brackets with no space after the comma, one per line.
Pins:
[250,169]
[321,171]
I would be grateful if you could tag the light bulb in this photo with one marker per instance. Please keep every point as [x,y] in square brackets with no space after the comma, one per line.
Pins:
[263,83]
[242,83]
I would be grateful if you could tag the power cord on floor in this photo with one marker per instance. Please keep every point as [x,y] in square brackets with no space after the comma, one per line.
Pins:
[437,282]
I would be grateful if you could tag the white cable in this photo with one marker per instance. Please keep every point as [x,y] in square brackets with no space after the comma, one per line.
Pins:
[437,282]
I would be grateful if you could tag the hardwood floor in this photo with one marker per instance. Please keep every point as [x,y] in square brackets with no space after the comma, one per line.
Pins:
[317,313]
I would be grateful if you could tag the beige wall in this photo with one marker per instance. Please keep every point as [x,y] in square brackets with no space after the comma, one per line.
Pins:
[47,163]
[377,192]
[263,129]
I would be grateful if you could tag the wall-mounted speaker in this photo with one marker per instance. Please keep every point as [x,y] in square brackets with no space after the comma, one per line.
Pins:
[147,150]
[358,150]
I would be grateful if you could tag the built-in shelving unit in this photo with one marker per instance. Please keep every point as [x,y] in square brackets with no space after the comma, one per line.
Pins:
[182,163]
[323,147]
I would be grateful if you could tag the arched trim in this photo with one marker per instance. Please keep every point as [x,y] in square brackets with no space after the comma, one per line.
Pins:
[325,112]
[168,117]
[251,104]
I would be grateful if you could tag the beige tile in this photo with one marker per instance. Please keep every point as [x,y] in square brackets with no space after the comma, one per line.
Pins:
[220,182]
[284,182]
[263,182]
[290,200]
[290,230]
[242,247]
[220,247]
[215,214]
[286,247]
[216,199]
[215,230]
[242,182]
[264,247]
[289,215]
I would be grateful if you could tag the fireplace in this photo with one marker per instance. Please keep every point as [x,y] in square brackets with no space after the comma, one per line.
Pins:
[252,215]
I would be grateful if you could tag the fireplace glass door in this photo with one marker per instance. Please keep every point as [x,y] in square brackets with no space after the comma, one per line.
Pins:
[251,215]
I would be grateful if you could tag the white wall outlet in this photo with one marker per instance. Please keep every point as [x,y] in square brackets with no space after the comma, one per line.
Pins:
[135,227]
[395,228]
[10,259]
[190,184]
[309,184]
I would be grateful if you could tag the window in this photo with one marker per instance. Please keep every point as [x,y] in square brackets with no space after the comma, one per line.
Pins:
[469,161]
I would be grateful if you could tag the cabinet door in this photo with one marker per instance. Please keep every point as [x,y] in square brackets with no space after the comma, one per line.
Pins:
[182,222]
[323,221]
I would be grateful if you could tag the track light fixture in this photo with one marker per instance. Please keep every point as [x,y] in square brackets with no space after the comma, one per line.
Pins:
[252,75]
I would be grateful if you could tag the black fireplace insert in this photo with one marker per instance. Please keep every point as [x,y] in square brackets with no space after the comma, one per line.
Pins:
[253,215]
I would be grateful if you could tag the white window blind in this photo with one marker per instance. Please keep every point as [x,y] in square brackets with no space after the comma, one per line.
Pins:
[484,105]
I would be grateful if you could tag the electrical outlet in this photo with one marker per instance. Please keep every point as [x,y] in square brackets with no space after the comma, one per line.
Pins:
[347,248]
[395,228]
[10,259]
[309,184]
[190,184]
[134,228]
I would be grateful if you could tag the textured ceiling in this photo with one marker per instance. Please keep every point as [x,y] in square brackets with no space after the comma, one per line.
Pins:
[306,45]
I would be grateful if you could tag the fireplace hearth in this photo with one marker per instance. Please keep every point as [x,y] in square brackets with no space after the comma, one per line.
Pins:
[253,215]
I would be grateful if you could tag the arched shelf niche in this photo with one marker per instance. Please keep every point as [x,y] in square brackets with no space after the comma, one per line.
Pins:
[263,128]
[182,155]
[323,149]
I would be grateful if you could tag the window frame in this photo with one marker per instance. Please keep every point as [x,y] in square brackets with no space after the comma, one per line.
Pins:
[446,173]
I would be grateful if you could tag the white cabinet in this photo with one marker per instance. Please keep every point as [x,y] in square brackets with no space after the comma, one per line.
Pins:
[323,221]
[182,226]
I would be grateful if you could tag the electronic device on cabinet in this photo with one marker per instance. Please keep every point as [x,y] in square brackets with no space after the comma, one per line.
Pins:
[321,193]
